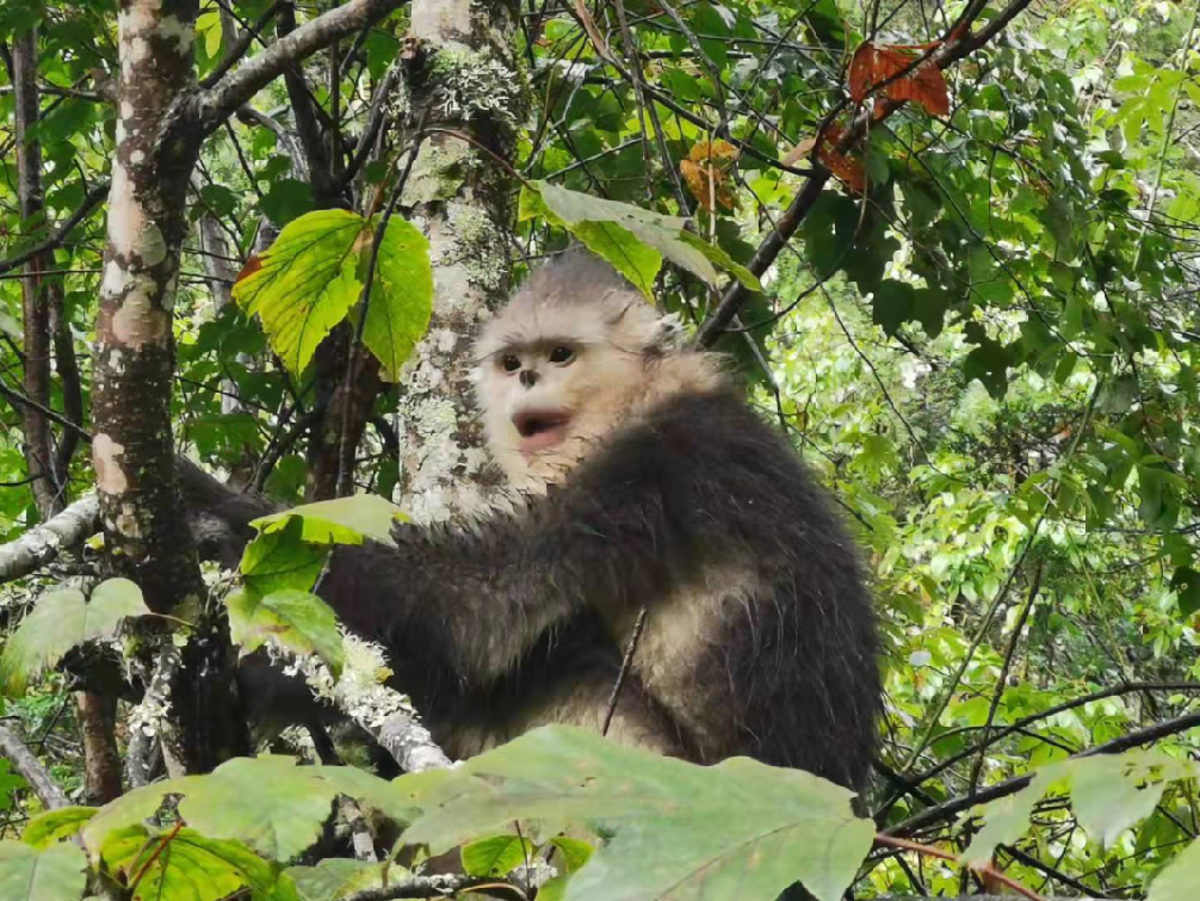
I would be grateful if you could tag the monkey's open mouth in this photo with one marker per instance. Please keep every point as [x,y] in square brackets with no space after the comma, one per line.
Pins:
[541,429]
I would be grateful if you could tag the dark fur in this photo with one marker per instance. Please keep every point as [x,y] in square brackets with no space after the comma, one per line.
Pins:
[483,628]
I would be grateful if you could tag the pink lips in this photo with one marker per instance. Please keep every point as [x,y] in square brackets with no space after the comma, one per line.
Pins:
[541,429]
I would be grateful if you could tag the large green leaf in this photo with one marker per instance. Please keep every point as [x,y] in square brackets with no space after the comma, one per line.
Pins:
[47,828]
[62,620]
[496,855]
[313,275]
[739,829]
[401,298]
[190,866]
[615,230]
[1110,793]
[297,620]
[279,558]
[338,877]
[344,520]
[291,804]
[306,283]
[1178,881]
[55,873]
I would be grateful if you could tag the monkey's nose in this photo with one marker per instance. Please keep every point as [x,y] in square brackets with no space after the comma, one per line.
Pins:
[529,377]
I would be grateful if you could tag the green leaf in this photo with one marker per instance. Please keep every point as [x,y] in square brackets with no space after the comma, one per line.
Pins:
[289,809]
[1178,881]
[196,868]
[1006,820]
[297,620]
[665,234]
[629,256]
[287,199]
[345,520]
[56,873]
[739,829]
[290,803]
[1110,793]
[401,300]
[62,620]
[1186,584]
[573,853]
[892,304]
[496,856]
[9,782]
[306,282]
[48,828]
[336,877]
[280,559]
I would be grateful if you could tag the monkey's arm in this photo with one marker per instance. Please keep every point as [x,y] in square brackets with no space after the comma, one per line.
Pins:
[479,602]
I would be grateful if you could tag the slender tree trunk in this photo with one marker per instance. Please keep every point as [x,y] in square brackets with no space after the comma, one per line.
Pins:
[45,326]
[39,439]
[134,363]
[464,75]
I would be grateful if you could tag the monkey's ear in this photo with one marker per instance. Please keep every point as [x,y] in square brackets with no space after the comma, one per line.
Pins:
[668,337]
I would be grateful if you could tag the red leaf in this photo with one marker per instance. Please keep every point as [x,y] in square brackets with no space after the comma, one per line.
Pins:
[924,85]
[861,69]
[844,167]
[252,266]
[871,66]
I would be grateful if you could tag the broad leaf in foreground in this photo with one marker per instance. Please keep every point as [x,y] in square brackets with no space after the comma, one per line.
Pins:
[1178,881]
[306,283]
[344,520]
[55,873]
[739,829]
[192,866]
[61,620]
[47,828]
[338,877]
[296,620]
[401,299]
[291,804]
[280,558]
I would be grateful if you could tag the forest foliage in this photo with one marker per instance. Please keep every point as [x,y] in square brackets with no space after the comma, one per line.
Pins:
[981,331]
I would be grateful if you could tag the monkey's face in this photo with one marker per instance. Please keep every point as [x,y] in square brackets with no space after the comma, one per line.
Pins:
[554,379]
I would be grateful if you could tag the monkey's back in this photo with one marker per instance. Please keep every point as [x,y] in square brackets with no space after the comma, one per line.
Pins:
[761,638]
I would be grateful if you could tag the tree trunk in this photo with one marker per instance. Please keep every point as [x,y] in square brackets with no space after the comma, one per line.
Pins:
[134,363]
[463,75]
[39,439]
[45,325]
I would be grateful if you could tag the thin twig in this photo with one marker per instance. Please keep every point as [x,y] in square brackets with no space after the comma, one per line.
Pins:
[623,674]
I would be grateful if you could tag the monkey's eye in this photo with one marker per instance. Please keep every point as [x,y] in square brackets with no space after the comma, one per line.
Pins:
[511,363]
[562,354]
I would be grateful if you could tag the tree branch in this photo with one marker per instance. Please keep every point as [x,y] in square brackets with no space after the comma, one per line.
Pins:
[948,809]
[956,45]
[42,544]
[94,196]
[213,105]
[27,764]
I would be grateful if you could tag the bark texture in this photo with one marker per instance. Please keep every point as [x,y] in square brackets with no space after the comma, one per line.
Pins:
[134,362]
[463,75]
[46,328]
[40,457]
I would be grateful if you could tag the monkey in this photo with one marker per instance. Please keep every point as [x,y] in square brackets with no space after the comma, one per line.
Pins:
[648,482]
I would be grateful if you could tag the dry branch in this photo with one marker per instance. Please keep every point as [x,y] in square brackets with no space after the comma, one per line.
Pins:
[42,544]
[27,764]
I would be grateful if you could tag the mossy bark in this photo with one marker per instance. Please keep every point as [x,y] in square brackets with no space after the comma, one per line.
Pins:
[463,76]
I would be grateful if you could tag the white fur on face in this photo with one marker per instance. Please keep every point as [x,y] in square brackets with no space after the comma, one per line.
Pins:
[623,360]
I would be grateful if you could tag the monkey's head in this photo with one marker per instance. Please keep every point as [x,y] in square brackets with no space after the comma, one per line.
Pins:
[574,354]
